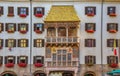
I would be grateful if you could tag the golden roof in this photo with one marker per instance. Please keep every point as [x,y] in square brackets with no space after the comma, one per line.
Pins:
[61,14]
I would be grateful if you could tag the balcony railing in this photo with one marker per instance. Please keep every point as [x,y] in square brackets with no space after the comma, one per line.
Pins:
[62,39]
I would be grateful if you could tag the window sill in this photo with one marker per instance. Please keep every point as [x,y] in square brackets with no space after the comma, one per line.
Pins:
[39,15]
[112,15]
[90,31]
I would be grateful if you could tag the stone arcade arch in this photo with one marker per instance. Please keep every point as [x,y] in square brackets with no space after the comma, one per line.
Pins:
[8,73]
[89,73]
[39,73]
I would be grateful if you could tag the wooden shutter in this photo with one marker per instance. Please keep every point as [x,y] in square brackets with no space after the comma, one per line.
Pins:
[35,26]
[6,43]
[94,10]
[94,26]
[94,59]
[27,42]
[19,10]
[14,43]
[34,59]
[107,26]
[14,26]
[94,43]
[42,59]
[35,43]
[6,57]
[42,27]
[108,10]
[86,10]
[86,26]
[117,59]
[1,11]
[86,42]
[26,26]
[14,59]
[42,42]
[116,43]
[18,59]
[19,43]
[43,10]
[114,9]
[35,10]
[6,28]
[19,27]
[2,27]
[116,27]
[86,57]
[26,59]
[1,60]
[108,59]
[27,11]
[108,42]
[1,42]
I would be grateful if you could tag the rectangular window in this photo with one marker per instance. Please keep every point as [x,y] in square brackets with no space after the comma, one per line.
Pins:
[38,59]
[38,11]
[1,27]
[69,57]
[38,42]
[22,11]
[48,52]
[112,59]
[9,59]
[54,57]
[90,60]
[10,27]
[22,42]
[51,31]
[112,27]
[10,11]
[1,43]
[90,27]
[111,11]
[39,27]
[110,42]
[90,11]
[90,43]
[22,59]
[23,28]
[1,10]
[10,43]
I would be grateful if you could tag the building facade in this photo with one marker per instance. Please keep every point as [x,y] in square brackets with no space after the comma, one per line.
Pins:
[59,37]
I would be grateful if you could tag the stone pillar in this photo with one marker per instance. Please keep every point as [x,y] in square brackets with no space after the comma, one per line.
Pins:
[56,32]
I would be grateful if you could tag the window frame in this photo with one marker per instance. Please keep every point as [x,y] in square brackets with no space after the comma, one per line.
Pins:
[7,58]
[39,29]
[1,27]
[114,59]
[111,12]
[25,60]
[23,43]
[92,9]
[8,43]
[36,11]
[92,29]
[10,11]
[90,59]
[10,27]
[112,27]
[90,42]
[1,10]
[41,59]
[38,42]
[23,9]
[110,42]
[21,29]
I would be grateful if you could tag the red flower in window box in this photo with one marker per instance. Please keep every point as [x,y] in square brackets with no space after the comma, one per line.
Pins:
[113,65]
[90,14]
[38,31]
[9,65]
[90,31]
[38,64]
[23,15]
[112,14]
[38,15]
[23,32]
[10,31]
[112,31]
[22,64]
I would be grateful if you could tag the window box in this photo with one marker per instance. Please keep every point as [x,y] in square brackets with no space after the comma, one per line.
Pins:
[112,31]
[23,15]
[9,65]
[10,31]
[10,15]
[38,31]
[22,64]
[90,31]
[90,14]
[38,64]
[38,15]
[113,65]
[112,14]
[23,32]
